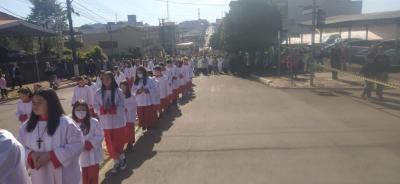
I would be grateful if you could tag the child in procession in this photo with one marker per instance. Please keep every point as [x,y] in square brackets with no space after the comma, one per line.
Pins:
[52,142]
[141,89]
[81,92]
[24,105]
[130,112]
[92,155]
[162,83]
[110,103]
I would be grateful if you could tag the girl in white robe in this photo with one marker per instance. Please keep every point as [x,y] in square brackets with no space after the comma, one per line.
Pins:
[130,113]
[92,155]
[141,89]
[82,92]
[110,103]
[162,83]
[175,84]
[24,105]
[52,142]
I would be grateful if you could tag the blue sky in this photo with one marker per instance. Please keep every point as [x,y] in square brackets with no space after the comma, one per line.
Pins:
[150,11]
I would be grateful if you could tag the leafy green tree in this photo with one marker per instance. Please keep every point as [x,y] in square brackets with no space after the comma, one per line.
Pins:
[250,26]
[50,15]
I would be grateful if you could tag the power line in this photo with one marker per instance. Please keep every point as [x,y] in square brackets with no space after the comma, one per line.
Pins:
[92,12]
[96,5]
[12,13]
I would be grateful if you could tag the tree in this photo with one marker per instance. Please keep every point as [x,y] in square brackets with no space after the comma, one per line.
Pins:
[250,26]
[50,15]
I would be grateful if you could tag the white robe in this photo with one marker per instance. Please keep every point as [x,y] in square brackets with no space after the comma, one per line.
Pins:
[12,163]
[82,93]
[163,86]
[111,121]
[130,109]
[119,78]
[174,73]
[24,108]
[143,99]
[95,137]
[66,143]
[155,92]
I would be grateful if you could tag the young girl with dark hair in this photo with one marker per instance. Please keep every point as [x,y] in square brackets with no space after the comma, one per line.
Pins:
[24,105]
[92,154]
[130,113]
[110,103]
[142,88]
[52,141]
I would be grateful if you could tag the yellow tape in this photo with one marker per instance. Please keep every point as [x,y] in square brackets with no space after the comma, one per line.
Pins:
[387,84]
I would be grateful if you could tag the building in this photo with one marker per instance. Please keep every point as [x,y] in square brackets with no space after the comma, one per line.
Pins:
[120,41]
[169,36]
[295,12]
[193,31]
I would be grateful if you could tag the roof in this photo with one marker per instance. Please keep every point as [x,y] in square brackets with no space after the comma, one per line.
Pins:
[15,27]
[360,19]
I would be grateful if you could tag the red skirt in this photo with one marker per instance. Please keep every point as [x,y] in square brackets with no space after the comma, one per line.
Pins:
[115,141]
[175,94]
[90,175]
[154,115]
[164,103]
[130,133]
[145,116]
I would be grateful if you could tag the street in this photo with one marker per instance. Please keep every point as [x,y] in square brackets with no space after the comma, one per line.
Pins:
[235,130]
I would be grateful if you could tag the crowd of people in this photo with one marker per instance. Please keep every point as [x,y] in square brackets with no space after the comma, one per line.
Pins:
[63,149]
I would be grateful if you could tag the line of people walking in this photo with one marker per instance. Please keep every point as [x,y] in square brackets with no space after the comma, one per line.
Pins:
[60,149]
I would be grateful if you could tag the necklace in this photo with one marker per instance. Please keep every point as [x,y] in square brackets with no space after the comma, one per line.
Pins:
[40,140]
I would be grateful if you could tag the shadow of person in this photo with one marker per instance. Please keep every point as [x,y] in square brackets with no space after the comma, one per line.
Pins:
[143,148]
[187,98]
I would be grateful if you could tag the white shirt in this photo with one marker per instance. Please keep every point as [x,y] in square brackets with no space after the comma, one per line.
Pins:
[110,121]
[95,137]
[12,160]
[162,85]
[155,92]
[119,78]
[143,99]
[24,109]
[66,143]
[82,93]
[130,109]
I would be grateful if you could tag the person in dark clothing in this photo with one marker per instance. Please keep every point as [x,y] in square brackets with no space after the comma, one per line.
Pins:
[368,71]
[15,76]
[382,66]
[335,60]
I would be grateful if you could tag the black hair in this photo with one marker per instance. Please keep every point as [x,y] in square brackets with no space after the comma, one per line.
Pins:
[26,91]
[114,87]
[90,81]
[157,68]
[86,120]
[127,93]
[145,75]
[54,111]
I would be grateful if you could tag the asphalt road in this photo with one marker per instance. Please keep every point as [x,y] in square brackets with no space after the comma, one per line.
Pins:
[236,130]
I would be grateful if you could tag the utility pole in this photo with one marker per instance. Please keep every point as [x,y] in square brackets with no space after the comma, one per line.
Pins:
[314,13]
[198,13]
[72,38]
[167,10]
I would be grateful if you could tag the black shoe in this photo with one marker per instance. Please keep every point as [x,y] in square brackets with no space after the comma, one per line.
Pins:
[129,147]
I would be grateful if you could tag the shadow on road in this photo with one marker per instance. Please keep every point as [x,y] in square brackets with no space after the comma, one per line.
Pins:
[143,148]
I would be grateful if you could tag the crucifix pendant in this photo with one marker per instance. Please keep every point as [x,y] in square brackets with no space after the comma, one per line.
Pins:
[39,142]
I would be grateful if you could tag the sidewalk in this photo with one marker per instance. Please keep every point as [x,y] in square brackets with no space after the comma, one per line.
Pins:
[13,95]
[321,80]
[345,86]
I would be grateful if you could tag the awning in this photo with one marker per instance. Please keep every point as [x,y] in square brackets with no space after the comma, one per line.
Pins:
[360,19]
[20,27]
[184,45]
